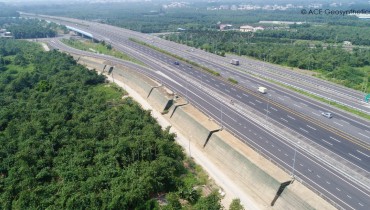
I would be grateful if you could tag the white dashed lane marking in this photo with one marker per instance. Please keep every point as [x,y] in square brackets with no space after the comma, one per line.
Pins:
[259,101]
[297,105]
[334,139]
[291,117]
[338,124]
[273,109]
[311,127]
[303,130]
[364,135]
[327,142]
[362,153]
[284,119]
[355,156]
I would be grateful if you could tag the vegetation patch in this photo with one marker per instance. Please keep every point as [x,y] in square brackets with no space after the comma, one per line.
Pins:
[102,48]
[232,80]
[69,141]
[176,56]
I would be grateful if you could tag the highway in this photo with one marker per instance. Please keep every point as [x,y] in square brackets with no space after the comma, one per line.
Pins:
[358,128]
[345,193]
[344,197]
[334,140]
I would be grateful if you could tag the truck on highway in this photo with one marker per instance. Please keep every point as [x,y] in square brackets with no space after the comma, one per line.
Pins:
[262,90]
[235,62]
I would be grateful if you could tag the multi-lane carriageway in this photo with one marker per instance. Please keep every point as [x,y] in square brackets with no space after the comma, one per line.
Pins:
[313,173]
[333,139]
[236,125]
[342,121]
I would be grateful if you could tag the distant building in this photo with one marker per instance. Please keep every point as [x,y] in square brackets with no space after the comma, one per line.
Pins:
[281,22]
[347,43]
[7,35]
[246,28]
[224,27]
[258,28]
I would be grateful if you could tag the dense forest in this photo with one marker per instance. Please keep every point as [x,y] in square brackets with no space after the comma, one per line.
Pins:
[68,141]
[28,28]
[151,17]
[337,64]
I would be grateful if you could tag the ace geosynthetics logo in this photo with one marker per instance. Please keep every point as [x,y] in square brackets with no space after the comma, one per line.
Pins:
[334,12]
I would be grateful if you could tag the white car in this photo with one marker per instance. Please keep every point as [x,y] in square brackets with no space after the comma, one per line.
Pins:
[327,114]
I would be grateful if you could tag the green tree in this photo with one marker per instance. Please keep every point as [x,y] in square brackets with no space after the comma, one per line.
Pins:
[236,205]
[210,202]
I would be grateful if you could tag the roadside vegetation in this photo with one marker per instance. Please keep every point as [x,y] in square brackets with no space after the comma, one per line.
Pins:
[101,48]
[69,141]
[21,28]
[348,68]
[316,45]
[215,73]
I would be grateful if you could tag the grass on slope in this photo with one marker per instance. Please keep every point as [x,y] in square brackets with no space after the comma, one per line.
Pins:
[101,48]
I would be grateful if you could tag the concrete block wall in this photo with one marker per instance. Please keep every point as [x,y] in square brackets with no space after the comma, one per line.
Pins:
[193,124]
[247,173]
[259,177]
[160,99]
[91,64]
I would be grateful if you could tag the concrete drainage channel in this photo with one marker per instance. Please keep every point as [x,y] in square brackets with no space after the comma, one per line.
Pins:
[266,183]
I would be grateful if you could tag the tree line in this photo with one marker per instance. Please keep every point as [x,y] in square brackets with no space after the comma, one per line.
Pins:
[28,28]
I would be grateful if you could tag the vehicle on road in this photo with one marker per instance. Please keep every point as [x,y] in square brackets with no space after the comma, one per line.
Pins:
[327,114]
[176,63]
[262,90]
[235,62]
